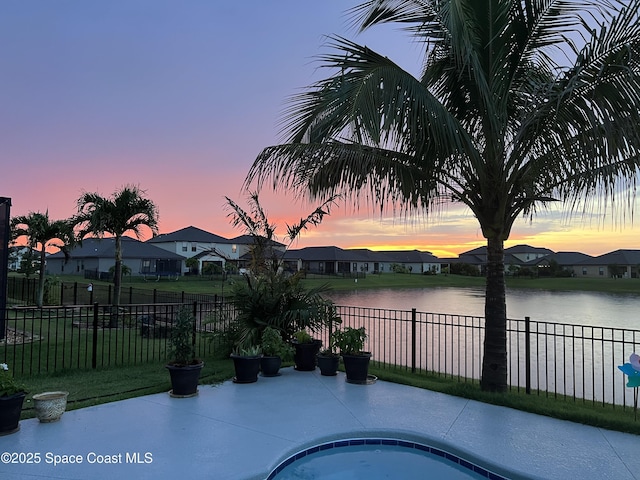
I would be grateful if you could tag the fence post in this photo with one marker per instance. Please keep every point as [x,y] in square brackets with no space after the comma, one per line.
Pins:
[413,340]
[195,321]
[94,348]
[75,293]
[527,354]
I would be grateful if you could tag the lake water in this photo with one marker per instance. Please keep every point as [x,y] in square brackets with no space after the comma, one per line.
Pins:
[573,307]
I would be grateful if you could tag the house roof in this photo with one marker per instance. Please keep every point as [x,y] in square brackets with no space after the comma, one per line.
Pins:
[337,254]
[517,249]
[565,258]
[106,247]
[189,234]
[311,254]
[617,257]
[249,240]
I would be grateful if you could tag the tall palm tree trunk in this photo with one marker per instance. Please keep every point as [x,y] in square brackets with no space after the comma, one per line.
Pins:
[41,276]
[494,364]
[117,282]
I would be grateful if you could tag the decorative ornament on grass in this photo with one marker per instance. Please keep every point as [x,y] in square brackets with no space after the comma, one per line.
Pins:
[632,370]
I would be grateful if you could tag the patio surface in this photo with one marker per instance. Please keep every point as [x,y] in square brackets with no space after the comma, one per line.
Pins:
[242,432]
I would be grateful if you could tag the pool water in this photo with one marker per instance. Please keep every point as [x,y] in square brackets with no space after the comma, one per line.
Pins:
[377,459]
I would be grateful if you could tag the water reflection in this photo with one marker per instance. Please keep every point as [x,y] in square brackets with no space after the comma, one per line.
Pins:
[578,308]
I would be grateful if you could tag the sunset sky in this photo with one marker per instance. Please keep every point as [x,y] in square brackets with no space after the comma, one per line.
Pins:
[179,97]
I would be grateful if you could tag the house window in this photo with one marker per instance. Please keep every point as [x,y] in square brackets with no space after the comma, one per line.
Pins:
[193,248]
[234,248]
[184,246]
[601,271]
[584,271]
[355,267]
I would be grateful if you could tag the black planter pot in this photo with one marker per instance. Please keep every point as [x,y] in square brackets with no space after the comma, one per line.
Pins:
[247,368]
[270,366]
[305,355]
[10,409]
[184,379]
[328,364]
[357,367]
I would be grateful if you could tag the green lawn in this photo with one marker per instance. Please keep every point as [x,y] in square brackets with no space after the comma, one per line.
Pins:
[203,285]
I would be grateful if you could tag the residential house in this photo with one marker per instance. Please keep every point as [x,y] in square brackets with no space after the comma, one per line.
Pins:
[514,257]
[326,260]
[207,248]
[98,256]
[18,254]
[618,264]
[192,242]
[335,260]
[568,261]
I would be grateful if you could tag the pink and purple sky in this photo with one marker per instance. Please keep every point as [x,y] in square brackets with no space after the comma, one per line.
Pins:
[179,97]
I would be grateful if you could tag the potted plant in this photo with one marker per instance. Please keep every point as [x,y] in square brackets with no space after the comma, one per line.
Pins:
[274,351]
[246,362]
[350,341]
[270,295]
[328,359]
[306,351]
[328,362]
[12,395]
[184,368]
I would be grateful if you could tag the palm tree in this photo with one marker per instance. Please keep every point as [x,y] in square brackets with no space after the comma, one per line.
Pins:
[127,210]
[520,103]
[42,233]
[271,297]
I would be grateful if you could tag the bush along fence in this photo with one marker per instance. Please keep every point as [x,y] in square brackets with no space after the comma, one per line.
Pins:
[574,362]
[53,339]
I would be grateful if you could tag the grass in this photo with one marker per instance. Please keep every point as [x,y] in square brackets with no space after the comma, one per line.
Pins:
[203,285]
[94,387]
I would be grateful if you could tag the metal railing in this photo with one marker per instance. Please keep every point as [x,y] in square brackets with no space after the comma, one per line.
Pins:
[560,360]
[53,339]
[575,362]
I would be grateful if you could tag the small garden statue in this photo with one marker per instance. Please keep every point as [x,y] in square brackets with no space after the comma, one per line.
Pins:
[632,371]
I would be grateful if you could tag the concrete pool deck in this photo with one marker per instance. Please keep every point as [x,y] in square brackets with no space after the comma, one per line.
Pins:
[242,432]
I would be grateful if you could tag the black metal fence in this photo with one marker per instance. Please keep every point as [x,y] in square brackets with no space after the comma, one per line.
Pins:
[562,360]
[24,291]
[574,361]
[53,339]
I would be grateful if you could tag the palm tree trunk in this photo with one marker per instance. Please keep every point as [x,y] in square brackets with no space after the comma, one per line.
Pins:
[43,255]
[494,362]
[117,282]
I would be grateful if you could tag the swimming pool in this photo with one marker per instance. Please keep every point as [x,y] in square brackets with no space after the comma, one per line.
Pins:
[377,459]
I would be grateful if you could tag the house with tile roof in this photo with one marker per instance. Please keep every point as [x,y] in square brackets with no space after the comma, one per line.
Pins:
[97,255]
[618,264]
[192,242]
[334,260]
[205,247]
